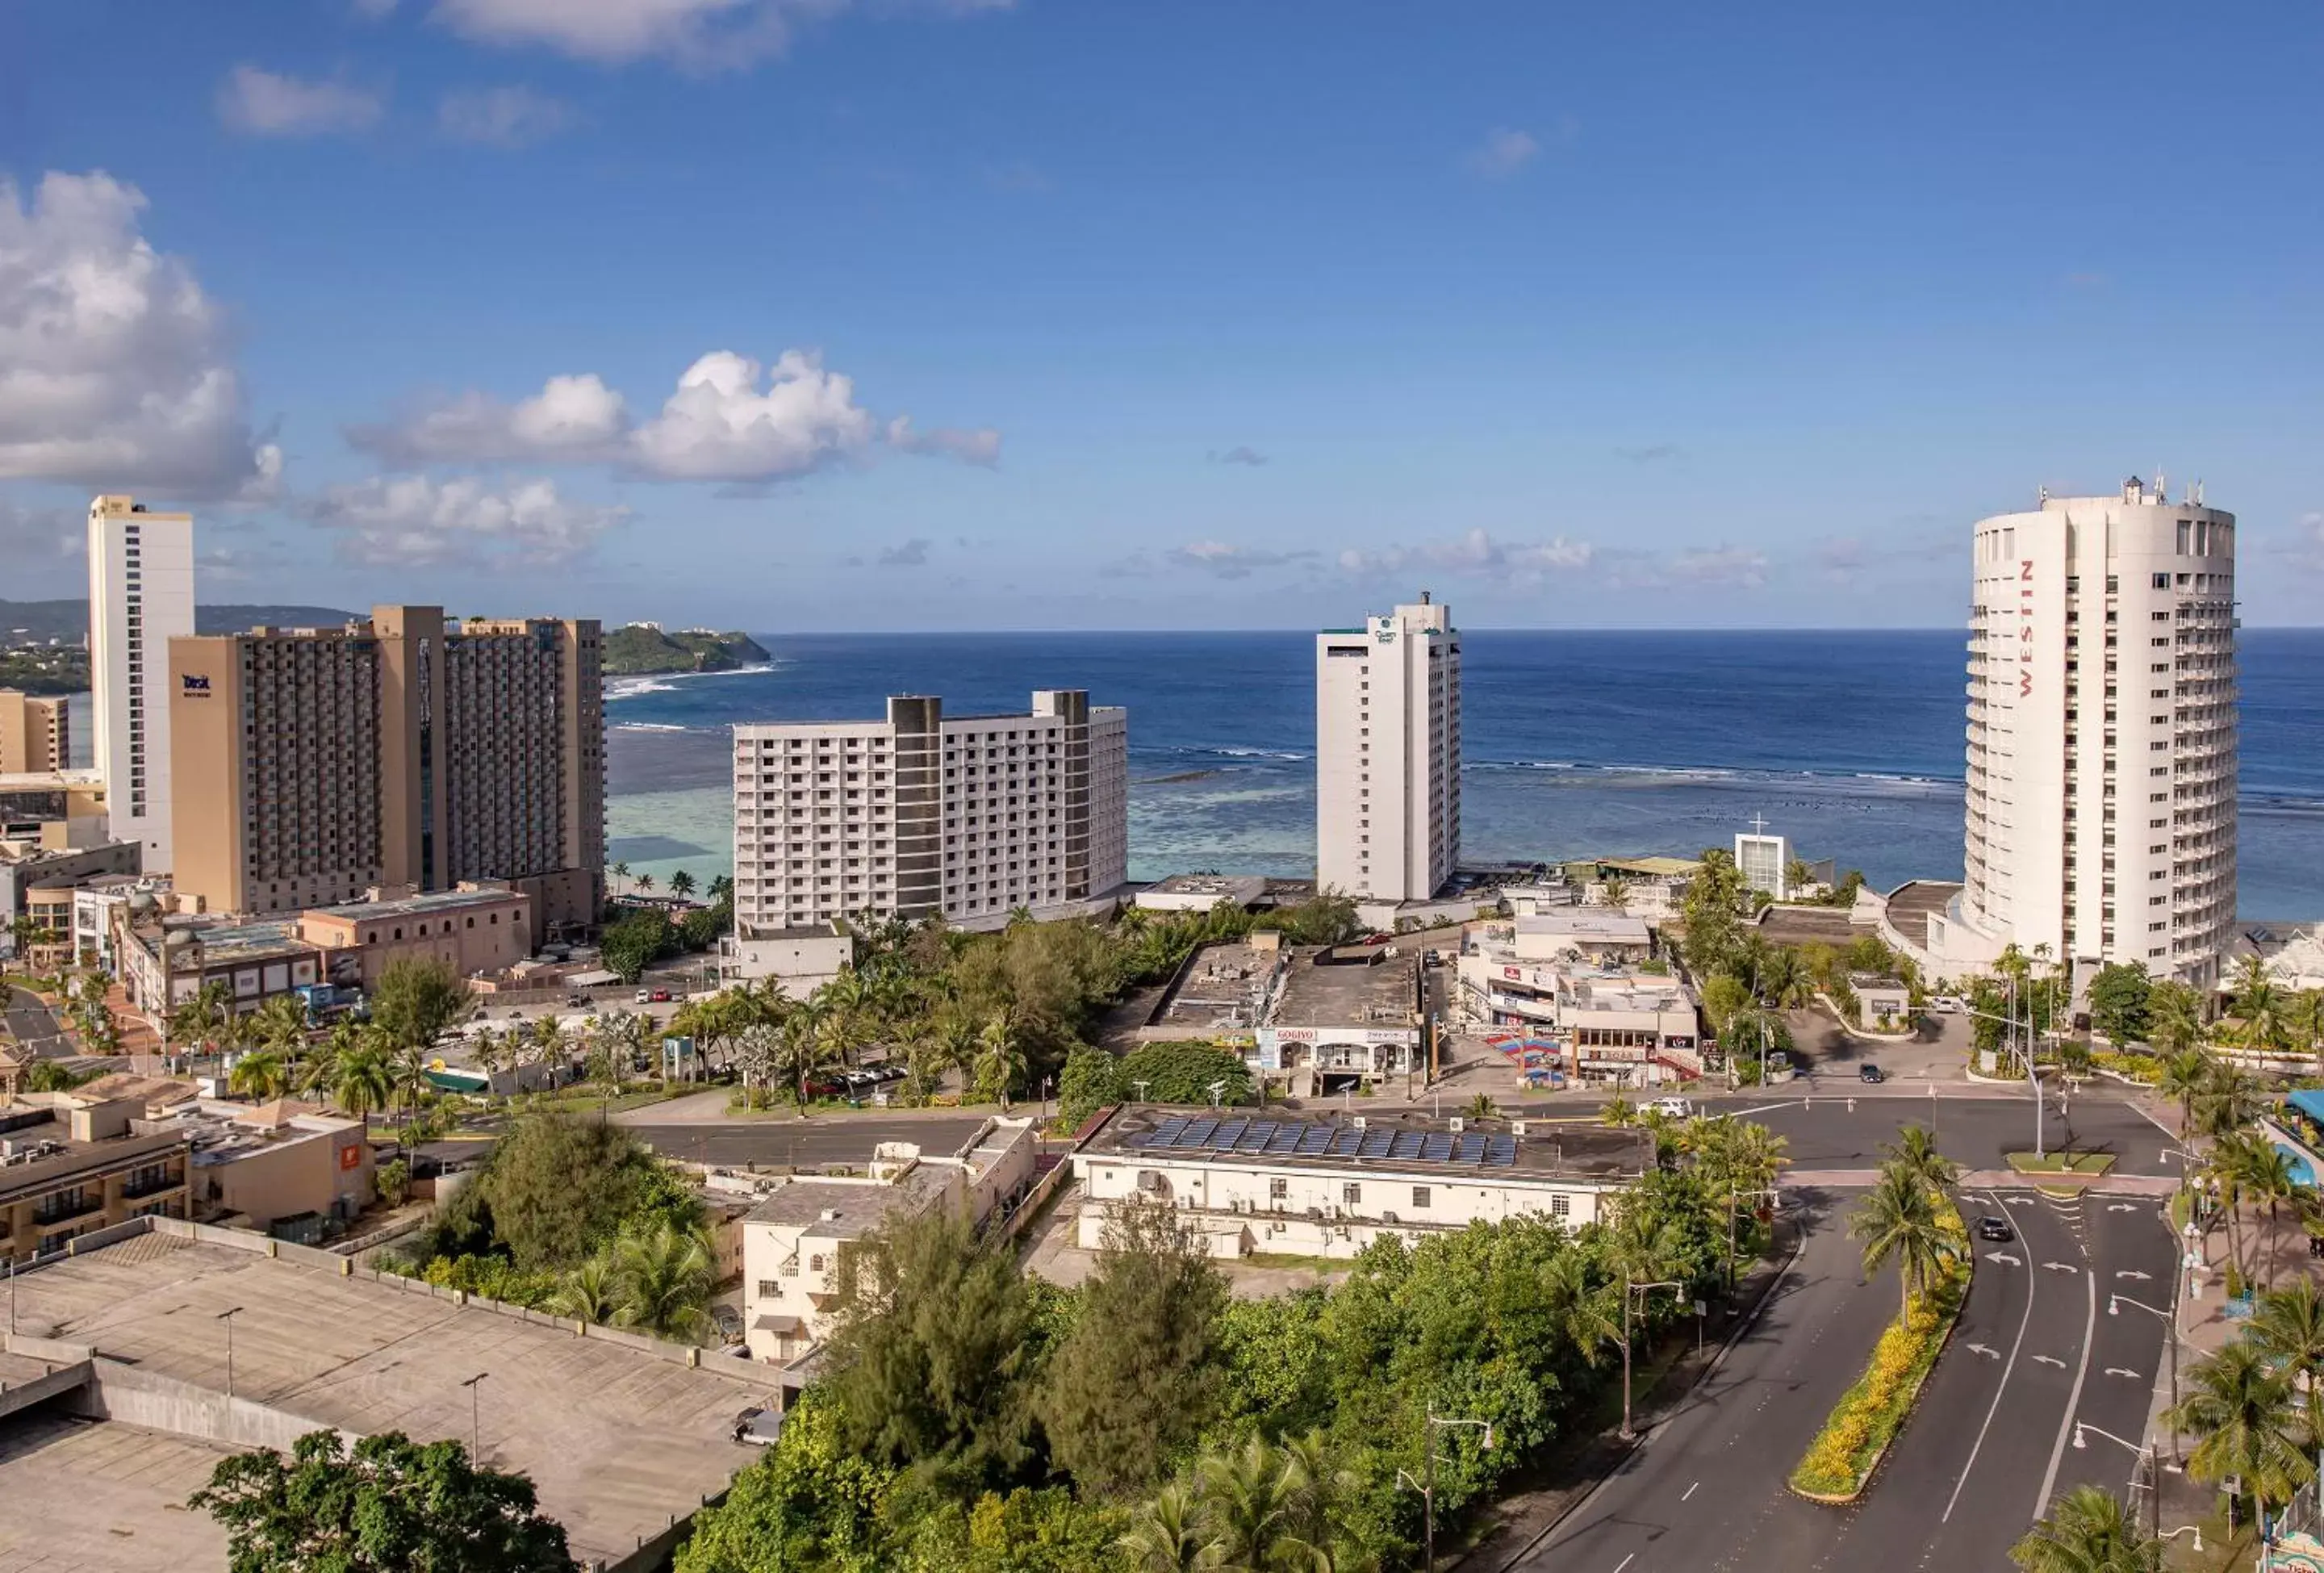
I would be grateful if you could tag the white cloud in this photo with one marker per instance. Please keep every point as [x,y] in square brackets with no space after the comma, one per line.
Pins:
[1504,152]
[1221,561]
[115,369]
[263,104]
[414,521]
[1520,562]
[1722,565]
[721,426]
[981,445]
[510,117]
[699,34]
[729,420]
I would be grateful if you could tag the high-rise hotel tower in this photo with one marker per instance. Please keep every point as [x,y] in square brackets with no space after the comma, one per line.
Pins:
[141,595]
[1388,754]
[2101,805]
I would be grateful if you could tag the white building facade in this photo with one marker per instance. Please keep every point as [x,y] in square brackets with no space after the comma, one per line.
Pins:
[1388,754]
[966,817]
[141,595]
[2102,696]
[1764,863]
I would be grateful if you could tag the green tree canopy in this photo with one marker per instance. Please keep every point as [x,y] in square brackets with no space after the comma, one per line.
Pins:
[386,1505]
[2118,998]
[1132,1384]
[1182,1073]
[416,998]
[558,1187]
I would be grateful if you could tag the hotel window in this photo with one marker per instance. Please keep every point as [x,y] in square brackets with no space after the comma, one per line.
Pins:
[1419,1196]
[1351,1194]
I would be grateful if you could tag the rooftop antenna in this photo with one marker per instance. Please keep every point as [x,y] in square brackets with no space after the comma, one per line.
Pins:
[2198,490]
[2162,488]
[2044,491]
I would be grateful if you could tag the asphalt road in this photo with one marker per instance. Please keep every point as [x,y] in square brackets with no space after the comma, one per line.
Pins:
[806,1143]
[1706,1488]
[31,1022]
[1989,1444]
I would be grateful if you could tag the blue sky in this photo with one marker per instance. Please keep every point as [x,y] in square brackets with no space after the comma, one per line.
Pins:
[1205,315]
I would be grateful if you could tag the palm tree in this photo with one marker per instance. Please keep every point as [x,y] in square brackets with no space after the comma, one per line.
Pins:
[722,888]
[361,1082]
[1000,1059]
[2185,1072]
[620,871]
[2231,1099]
[1896,1221]
[2288,1327]
[260,1075]
[585,1294]
[281,1026]
[663,1281]
[645,883]
[802,1050]
[1170,1534]
[2087,1532]
[548,1041]
[1247,1502]
[1915,1152]
[2267,1176]
[1582,1311]
[2249,1421]
[203,1019]
[1323,1492]
[681,883]
[2174,1018]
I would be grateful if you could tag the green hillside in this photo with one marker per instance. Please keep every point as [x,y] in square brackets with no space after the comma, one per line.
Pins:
[638,650]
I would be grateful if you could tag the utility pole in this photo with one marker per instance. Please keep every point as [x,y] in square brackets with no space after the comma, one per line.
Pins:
[228,1317]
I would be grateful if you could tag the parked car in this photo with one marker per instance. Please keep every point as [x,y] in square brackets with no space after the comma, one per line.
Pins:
[660,996]
[1871,1073]
[826,1086]
[577,1002]
[1676,1108]
[1992,1229]
[1944,1004]
[728,1320]
[645,996]
[759,1428]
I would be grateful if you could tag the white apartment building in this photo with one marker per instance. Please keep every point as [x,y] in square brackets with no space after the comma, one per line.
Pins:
[2101,804]
[141,595]
[1388,754]
[925,814]
[1324,1186]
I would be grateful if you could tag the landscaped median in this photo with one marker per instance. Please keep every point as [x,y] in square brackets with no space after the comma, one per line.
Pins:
[1840,1462]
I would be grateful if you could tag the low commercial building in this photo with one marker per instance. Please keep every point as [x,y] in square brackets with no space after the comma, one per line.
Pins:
[1325,1185]
[27,866]
[166,960]
[1199,892]
[283,1167]
[1343,1016]
[802,959]
[1880,998]
[55,808]
[1597,1022]
[800,1229]
[1222,994]
[71,1165]
[1597,935]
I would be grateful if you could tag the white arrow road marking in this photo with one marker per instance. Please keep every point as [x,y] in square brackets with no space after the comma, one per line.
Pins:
[2061,1267]
[1981,1349]
[2122,1206]
[2003,1257]
[2118,1371]
[2049,1360]
[2133,1273]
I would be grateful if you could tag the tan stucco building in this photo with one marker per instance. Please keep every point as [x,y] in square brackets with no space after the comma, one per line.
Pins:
[70,1164]
[310,764]
[35,735]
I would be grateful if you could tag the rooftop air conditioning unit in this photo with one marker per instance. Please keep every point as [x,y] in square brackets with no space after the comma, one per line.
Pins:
[1390,1218]
[1361,1122]
[1516,1127]
[1458,1125]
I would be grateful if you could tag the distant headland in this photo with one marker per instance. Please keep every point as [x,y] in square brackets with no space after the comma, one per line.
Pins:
[644,648]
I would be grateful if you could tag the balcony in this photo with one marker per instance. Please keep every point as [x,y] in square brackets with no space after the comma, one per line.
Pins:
[46,1217]
[139,1189]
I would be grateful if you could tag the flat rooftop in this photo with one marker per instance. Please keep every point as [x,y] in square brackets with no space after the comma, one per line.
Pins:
[98,1497]
[616,1438]
[1911,903]
[1398,1142]
[833,1210]
[422,905]
[237,943]
[1220,988]
[1589,925]
[1378,994]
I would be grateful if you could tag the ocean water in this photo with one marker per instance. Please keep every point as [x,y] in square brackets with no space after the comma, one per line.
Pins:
[1577,743]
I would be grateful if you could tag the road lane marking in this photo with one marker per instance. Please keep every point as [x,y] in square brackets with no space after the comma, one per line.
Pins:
[1981,1349]
[1998,1389]
[2049,1360]
[1690,1491]
[2061,1267]
[2118,1371]
[2003,1257]
[2073,1402]
[1626,1562]
[2133,1273]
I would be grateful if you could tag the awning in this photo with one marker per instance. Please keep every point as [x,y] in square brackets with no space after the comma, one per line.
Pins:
[2309,1101]
[774,1324]
[594,979]
[2302,1171]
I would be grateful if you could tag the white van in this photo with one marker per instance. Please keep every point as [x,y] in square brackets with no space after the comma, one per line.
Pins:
[1676,1108]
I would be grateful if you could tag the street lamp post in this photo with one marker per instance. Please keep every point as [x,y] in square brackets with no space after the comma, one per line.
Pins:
[2115,1302]
[474,1457]
[2146,1456]
[1630,1290]
[1426,1485]
[228,1317]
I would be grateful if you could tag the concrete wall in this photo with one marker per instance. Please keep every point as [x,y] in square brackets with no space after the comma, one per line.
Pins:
[161,1403]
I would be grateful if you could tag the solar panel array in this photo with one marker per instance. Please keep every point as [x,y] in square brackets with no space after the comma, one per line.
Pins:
[1286,1139]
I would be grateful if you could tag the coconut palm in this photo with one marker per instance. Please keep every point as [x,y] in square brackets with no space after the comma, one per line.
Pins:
[1248,1504]
[1582,1311]
[203,1019]
[2090,1531]
[681,883]
[2251,1424]
[2287,1328]
[663,1281]
[721,888]
[1898,1221]
[999,1059]
[1323,1494]
[2185,1073]
[2230,1098]
[645,883]
[362,1081]
[2267,1176]
[281,1026]
[2174,1018]
[1170,1534]
[588,1293]
[802,1052]
[1915,1152]
[261,1075]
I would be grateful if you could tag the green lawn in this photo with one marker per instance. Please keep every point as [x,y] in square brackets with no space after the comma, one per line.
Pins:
[2089,1163]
